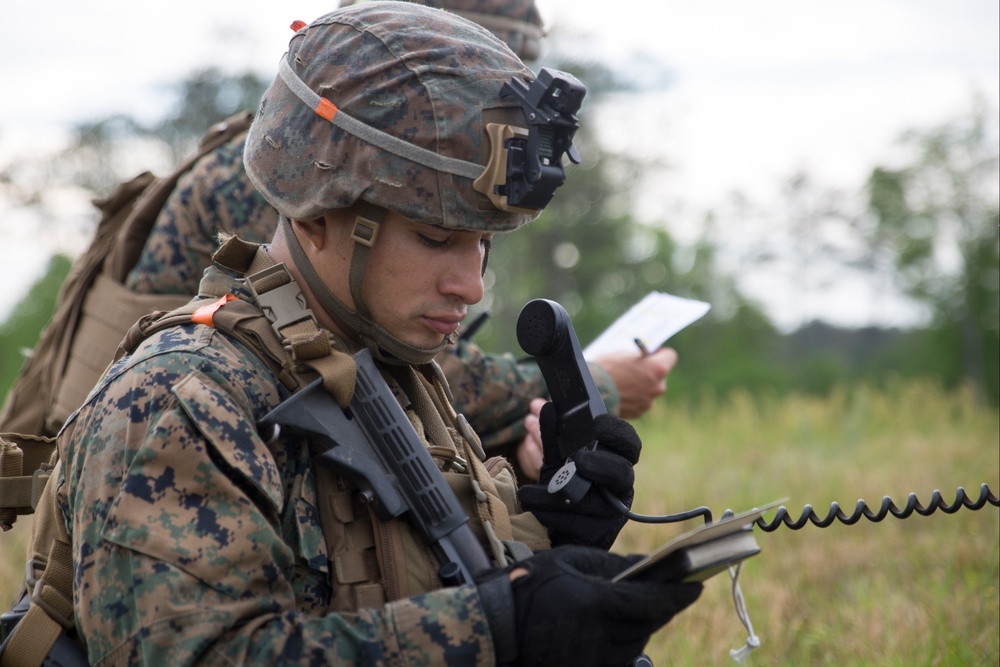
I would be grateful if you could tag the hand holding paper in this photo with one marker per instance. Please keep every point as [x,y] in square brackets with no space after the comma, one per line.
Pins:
[652,321]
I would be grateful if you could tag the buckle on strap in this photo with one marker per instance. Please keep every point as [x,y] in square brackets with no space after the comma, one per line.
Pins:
[30,567]
[280,298]
[365,231]
[38,480]
[48,597]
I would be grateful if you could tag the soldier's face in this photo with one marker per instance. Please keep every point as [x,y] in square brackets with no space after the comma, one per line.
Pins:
[421,279]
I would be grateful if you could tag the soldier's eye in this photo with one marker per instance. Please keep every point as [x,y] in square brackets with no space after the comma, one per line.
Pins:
[436,244]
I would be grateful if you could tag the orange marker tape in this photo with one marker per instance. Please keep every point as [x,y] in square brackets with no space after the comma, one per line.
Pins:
[326,109]
[204,314]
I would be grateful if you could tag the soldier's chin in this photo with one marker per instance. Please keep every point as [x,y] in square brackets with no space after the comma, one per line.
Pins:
[432,343]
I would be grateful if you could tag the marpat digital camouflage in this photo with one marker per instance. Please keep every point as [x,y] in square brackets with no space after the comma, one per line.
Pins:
[516,22]
[197,542]
[426,80]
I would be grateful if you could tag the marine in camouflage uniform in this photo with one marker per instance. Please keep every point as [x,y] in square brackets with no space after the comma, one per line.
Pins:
[493,390]
[194,540]
[197,540]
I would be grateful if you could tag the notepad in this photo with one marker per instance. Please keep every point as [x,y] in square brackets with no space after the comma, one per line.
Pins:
[703,552]
[653,320]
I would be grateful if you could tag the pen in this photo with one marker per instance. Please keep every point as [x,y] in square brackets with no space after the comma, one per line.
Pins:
[642,347]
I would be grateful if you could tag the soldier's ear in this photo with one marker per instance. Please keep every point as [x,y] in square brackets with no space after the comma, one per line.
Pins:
[312,232]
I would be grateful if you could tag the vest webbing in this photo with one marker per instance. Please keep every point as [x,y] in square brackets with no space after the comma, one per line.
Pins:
[290,342]
[22,473]
[427,390]
[424,385]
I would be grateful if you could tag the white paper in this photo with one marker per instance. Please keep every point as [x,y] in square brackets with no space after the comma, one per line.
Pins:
[653,320]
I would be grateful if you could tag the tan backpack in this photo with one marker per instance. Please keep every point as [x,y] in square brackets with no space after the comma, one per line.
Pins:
[93,311]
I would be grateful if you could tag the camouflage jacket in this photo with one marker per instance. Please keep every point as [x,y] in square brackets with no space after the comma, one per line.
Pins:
[197,542]
[492,390]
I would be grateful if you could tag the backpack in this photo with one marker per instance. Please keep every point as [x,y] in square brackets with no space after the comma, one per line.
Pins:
[93,311]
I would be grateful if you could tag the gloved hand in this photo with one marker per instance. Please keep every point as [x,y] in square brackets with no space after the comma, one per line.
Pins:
[566,610]
[592,521]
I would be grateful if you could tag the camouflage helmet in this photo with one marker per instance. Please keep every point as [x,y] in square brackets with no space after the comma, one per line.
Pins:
[516,22]
[405,89]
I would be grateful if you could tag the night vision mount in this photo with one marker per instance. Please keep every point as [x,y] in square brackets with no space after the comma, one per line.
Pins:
[525,166]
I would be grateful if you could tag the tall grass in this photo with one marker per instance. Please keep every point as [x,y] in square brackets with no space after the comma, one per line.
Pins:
[919,591]
[13,558]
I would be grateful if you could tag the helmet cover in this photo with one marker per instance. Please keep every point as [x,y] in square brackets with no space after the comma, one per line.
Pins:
[419,74]
[516,22]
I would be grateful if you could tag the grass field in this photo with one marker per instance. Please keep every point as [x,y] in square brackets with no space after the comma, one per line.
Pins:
[920,591]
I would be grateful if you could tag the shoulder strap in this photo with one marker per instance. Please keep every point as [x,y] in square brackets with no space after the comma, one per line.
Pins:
[281,332]
[50,585]
[240,320]
[312,348]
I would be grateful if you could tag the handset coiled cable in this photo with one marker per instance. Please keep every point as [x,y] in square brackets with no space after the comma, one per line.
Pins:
[809,515]
[861,509]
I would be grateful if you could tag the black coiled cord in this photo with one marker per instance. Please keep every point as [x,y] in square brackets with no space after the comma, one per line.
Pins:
[962,499]
[783,518]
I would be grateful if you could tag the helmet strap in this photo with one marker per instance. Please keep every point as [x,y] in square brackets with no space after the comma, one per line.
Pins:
[364,234]
[384,346]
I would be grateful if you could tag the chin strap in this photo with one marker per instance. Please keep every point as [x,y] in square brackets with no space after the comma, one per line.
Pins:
[384,346]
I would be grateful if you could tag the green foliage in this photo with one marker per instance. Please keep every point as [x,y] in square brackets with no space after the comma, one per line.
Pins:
[19,333]
[937,218]
[204,98]
[719,355]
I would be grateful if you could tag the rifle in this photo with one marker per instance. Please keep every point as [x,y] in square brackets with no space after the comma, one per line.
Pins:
[373,444]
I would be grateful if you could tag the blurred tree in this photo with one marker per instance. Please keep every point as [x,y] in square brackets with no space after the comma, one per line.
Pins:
[587,250]
[732,346]
[203,99]
[19,333]
[101,153]
[937,220]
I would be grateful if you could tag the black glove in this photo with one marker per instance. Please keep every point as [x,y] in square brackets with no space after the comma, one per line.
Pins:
[566,610]
[592,521]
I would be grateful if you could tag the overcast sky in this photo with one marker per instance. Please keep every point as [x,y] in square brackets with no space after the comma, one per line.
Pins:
[759,88]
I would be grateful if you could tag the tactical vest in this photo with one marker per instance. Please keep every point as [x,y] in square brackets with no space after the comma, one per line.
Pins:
[373,562]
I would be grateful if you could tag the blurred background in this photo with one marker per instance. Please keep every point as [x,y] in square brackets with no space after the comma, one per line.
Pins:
[824,175]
